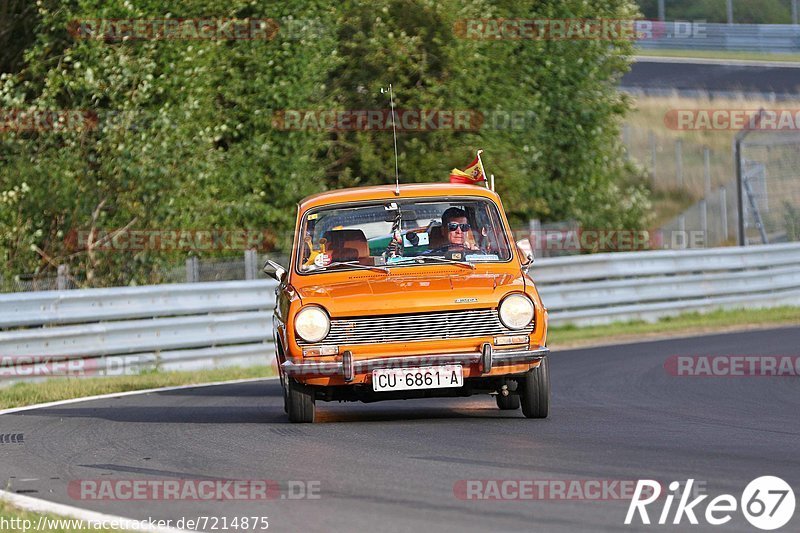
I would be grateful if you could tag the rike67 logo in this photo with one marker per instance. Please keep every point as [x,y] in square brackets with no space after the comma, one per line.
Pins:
[767,502]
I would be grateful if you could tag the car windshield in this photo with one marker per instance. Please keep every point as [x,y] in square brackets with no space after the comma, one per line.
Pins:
[401,234]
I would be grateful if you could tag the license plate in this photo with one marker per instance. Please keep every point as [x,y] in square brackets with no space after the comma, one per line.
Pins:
[428,377]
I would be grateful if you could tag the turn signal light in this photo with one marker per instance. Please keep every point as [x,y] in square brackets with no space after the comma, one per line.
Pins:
[319,351]
[511,339]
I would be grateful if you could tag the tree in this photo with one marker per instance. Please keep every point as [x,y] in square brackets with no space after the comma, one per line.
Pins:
[183,133]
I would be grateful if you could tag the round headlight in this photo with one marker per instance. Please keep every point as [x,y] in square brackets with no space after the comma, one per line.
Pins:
[312,324]
[516,311]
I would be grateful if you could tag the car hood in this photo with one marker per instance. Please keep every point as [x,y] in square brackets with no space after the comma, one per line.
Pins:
[411,293]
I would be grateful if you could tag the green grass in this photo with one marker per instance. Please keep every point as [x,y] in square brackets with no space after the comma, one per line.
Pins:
[53,390]
[9,513]
[720,54]
[689,323]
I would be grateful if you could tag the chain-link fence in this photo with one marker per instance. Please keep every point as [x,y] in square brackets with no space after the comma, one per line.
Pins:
[771,186]
[694,174]
[677,164]
[710,222]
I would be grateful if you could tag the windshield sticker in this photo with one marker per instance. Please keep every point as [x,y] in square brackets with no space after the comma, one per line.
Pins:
[322,260]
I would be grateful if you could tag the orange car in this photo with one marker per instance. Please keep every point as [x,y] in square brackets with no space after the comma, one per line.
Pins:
[412,295]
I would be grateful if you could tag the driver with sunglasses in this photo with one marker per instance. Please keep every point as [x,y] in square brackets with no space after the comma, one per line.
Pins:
[455,227]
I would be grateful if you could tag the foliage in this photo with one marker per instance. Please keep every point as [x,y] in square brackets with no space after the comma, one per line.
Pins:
[17,24]
[185,135]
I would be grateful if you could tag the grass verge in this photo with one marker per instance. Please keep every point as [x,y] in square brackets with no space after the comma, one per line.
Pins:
[53,390]
[720,54]
[23,521]
[685,324]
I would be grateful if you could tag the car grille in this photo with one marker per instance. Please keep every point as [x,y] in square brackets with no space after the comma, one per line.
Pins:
[417,327]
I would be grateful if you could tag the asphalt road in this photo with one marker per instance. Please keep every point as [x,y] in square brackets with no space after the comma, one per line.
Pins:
[656,76]
[392,466]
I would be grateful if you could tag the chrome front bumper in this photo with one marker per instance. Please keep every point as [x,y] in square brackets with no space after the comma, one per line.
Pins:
[348,367]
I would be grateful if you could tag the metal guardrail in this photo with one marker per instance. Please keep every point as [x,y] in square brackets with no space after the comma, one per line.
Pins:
[663,262]
[129,329]
[187,326]
[604,288]
[768,38]
[76,306]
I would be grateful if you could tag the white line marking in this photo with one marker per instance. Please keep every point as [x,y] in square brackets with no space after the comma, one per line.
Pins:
[43,506]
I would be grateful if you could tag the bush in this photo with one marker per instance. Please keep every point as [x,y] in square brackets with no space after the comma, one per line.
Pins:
[186,136]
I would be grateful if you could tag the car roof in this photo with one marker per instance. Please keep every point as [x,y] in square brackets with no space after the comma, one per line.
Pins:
[387,192]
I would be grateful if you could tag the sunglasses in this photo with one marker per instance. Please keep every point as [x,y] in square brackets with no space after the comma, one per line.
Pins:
[452,226]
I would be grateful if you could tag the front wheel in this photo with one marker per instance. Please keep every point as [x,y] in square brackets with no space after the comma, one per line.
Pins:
[300,402]
[535,395]
[284,393]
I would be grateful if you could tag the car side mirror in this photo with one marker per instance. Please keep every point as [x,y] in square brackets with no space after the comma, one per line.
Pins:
[525,250]
[274,270]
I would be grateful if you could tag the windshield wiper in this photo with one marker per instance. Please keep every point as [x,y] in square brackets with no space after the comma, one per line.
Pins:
[353,264]
[447,261]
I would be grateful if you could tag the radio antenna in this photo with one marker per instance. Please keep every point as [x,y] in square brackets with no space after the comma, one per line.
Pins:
[394,133]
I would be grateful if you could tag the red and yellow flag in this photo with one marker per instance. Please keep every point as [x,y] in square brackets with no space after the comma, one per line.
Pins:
[471,175]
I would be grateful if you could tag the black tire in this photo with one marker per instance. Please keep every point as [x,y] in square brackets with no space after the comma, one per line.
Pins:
[535,394]
[300,400]
[508,403]
[283,378]
[285,394]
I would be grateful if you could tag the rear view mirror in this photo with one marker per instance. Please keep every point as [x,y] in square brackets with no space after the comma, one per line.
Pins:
[406,214]
[526,253]
[274,270]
